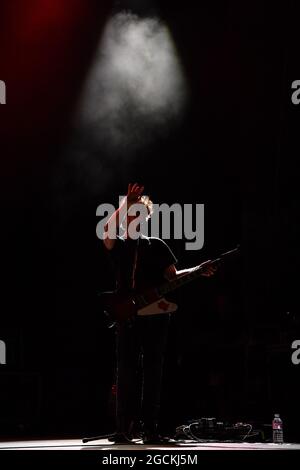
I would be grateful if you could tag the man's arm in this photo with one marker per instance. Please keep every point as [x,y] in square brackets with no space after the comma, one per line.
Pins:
[133,194]
[172,273]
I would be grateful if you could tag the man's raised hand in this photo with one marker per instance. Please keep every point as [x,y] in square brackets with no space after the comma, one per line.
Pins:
[134,193]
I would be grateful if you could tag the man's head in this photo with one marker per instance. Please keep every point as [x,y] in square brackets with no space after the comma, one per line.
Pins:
[137,216]
[143,209]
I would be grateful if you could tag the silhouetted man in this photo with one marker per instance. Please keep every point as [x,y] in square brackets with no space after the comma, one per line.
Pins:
[138,263]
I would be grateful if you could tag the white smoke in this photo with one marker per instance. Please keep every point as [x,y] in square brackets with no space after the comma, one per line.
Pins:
[136,88]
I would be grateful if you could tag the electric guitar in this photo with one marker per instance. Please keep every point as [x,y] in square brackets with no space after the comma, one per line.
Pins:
[119,307]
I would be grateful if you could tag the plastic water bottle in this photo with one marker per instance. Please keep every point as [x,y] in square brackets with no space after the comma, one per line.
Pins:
[277,429]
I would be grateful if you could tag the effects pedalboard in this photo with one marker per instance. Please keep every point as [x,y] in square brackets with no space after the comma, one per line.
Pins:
[209,429]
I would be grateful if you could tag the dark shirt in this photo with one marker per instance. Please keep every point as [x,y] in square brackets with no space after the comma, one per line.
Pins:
[153,257]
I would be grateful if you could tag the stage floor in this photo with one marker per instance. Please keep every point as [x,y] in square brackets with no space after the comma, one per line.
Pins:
[105,445]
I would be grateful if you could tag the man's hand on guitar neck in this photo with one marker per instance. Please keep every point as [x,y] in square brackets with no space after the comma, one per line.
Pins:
[208,268]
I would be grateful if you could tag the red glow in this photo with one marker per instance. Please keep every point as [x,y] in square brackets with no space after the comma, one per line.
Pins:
[47,45]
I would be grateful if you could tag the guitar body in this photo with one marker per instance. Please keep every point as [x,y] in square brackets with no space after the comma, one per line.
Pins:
[158,307]
[120,307]
[117,306]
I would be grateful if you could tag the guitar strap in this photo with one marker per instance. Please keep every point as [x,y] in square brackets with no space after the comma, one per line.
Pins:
[135,258]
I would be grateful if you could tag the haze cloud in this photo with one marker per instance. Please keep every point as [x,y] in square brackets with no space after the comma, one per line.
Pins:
[136,88]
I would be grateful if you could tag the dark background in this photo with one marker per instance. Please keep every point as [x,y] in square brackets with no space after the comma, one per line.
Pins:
[236,150]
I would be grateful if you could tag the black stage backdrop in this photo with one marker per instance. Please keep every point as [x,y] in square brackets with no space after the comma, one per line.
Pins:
[235,149]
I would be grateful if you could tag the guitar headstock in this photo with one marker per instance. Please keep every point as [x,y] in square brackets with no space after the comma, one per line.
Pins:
[231,252]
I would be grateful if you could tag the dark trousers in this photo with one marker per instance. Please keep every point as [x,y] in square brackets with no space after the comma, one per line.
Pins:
[141,346]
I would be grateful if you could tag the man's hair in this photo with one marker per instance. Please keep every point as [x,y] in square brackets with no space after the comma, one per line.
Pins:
[148,204]
[146,201]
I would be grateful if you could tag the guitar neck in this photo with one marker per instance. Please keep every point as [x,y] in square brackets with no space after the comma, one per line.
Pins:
[180,281]
[169,286]
[142,300]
